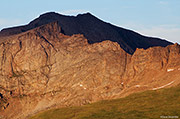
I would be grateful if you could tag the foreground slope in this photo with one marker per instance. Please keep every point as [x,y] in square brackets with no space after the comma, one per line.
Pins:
[94,29]
[147,105]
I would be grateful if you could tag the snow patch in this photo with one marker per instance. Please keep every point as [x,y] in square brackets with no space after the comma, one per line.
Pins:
[137,85]
[168,70]
[84,88]
[81,85]
[163,86]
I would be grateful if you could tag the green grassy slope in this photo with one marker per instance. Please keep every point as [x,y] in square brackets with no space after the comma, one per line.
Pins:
[146,105]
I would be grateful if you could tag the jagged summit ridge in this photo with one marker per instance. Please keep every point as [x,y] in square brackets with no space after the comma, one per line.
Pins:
[94,29]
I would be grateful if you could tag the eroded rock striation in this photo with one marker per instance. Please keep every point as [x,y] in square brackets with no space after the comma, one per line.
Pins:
[43,68]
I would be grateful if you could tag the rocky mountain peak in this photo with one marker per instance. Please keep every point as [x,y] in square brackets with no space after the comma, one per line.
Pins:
[88,14]
[56,61]
[94,29]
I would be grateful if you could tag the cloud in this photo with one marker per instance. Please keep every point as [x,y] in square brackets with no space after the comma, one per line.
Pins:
[73,12]
[4,23]
[169,33]
[163,2]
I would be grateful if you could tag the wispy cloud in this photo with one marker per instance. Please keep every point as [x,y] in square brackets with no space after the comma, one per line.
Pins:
[168,32]
[4,23]
[73,12]
[163,2]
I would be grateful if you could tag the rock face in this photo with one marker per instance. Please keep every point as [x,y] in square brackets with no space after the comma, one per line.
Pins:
[93,29]
[44,68]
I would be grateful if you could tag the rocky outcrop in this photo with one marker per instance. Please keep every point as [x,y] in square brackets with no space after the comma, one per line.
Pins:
[43,68]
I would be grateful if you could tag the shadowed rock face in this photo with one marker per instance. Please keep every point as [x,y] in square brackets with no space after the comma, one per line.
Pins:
[43,68]
[93,29]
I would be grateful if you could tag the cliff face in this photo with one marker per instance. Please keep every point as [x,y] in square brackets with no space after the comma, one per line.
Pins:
[43,68]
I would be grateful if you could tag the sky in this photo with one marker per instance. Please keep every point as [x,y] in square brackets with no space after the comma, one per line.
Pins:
[158,18]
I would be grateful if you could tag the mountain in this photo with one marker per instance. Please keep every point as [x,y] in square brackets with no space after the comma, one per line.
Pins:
[94,29]
[43,68]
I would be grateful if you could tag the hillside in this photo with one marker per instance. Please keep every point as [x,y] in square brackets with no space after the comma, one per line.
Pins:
[147,105]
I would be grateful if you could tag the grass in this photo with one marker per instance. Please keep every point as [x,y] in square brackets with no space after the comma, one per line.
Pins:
[146,105]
